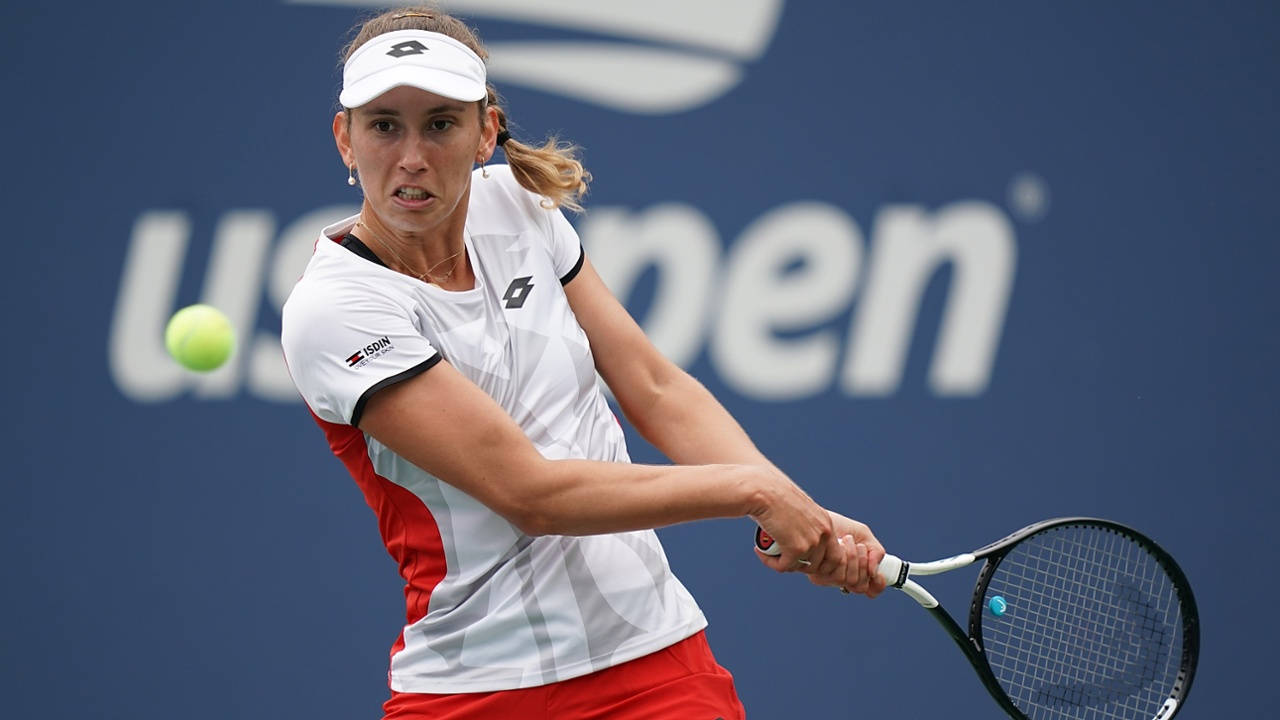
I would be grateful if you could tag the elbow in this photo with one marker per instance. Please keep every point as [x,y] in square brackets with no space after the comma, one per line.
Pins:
[647,404]
[526,514]
[534,520]
[533,523]
[521,512]
[529,506]
[644,410]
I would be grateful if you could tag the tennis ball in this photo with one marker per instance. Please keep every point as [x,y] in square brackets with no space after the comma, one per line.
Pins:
[199,337]
[997,605]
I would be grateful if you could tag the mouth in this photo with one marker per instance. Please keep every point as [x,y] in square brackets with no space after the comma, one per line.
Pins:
[411,194]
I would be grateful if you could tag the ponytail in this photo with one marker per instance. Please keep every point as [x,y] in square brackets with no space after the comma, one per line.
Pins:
[553,170]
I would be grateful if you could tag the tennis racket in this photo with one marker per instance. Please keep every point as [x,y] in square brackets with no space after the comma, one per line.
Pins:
[1071,618]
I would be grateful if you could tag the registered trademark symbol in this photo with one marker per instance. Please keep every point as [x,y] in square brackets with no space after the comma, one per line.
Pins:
[1028,197]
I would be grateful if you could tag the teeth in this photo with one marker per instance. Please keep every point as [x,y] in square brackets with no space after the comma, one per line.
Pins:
[412,193]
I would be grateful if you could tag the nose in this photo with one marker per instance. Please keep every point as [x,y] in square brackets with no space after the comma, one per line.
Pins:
[413,156]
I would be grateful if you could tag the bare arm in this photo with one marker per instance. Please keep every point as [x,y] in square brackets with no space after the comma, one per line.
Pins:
[665,404]
[443,423]
[681,418]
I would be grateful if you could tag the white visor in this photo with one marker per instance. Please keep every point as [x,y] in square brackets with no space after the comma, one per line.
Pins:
[417,58]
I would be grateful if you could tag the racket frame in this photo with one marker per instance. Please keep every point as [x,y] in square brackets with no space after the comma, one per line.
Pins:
[898,572]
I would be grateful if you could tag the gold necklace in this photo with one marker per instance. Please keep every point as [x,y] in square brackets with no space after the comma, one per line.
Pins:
[424,277]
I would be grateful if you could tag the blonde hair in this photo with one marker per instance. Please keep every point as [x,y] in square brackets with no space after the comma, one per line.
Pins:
[552,170]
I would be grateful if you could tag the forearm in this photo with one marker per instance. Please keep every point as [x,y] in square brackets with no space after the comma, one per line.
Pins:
[683,419]
[453,430]
[583,497]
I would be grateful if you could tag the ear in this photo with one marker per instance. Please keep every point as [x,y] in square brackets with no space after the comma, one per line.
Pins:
[488,135]
[342,138]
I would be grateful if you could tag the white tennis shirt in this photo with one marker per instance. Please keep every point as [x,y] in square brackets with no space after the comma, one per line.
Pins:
[488,607]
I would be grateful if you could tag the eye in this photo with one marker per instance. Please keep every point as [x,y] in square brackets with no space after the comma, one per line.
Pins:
[441,124]
[382,126]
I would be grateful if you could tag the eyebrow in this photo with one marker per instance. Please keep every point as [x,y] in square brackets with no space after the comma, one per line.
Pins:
[446,107]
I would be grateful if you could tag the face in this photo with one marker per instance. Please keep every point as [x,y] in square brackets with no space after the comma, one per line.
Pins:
[414,151]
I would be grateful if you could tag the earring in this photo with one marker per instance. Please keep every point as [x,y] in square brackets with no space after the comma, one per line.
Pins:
[484,169]
[351,176]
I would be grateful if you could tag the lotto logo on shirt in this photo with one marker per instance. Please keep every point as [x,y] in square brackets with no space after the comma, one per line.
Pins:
[377,348]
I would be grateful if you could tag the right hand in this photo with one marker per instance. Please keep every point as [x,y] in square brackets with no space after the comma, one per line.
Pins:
[802,529]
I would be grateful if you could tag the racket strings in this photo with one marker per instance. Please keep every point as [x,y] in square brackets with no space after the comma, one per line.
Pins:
[1092,627]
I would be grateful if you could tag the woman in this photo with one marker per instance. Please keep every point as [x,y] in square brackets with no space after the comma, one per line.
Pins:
[447,340]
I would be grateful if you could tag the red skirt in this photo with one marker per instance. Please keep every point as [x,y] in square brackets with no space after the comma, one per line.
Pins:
[681,682]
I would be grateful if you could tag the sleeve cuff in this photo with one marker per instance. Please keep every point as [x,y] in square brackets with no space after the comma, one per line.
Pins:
[582,256]
[398,377]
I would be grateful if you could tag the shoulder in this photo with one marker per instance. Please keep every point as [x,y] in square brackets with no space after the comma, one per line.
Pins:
[501,206]
[335,284]
[328,274]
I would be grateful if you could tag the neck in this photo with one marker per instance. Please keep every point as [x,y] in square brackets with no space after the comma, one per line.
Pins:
[439,258]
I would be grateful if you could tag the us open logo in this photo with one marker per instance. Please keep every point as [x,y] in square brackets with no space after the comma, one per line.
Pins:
[730,300]
[658,58]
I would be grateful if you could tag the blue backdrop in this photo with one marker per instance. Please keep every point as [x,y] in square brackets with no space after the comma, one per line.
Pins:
[990,262]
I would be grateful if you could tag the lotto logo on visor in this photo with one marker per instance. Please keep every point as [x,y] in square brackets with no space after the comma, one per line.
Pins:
[414,58]
[408,47]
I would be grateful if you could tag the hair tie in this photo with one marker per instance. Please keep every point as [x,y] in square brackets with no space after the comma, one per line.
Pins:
[503,137]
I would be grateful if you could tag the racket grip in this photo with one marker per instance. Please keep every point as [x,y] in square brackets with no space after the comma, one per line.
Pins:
[767,545]
[894,570]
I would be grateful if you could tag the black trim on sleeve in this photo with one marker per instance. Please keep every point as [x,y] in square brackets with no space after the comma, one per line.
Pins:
[418,369]
[582,255]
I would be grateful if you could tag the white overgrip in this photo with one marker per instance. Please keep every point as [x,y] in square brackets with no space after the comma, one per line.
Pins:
[892,570]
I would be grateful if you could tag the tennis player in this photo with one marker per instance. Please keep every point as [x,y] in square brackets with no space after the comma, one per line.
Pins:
[447,340]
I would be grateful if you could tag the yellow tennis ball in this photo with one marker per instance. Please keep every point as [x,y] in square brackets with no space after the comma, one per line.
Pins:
[200,337]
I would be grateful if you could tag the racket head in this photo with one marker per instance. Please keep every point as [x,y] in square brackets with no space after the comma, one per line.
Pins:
[1097,621]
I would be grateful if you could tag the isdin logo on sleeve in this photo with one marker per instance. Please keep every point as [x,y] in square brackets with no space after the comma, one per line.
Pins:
[669,56]
[376,348]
